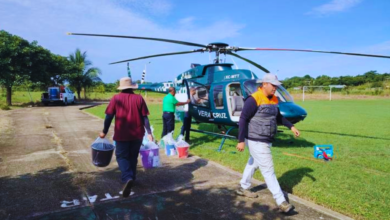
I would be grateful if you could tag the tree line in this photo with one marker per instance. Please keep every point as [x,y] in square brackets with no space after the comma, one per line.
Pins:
[370,79]
[24,62]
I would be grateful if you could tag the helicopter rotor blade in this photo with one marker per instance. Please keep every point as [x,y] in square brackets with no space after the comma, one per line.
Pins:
[249,61]
[313,51]
[142,38]
[159,55]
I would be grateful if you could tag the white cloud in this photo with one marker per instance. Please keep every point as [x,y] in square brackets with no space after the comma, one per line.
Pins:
[47,22]
[381,48]
[159,8]
[334,6]
[188,21]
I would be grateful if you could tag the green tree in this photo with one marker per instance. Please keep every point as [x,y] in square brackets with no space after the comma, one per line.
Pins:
[14,62]
[82,73]
[22,62]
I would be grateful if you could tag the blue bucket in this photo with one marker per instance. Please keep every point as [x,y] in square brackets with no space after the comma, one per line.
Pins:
[170,150]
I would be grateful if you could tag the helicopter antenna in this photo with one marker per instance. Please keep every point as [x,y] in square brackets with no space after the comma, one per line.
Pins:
[252,73]
[235,63]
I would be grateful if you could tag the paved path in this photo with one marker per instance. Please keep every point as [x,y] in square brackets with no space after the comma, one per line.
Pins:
[45,160]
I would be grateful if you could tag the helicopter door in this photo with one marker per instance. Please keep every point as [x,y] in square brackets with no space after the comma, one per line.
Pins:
[200,103]
[235,101]
[219,112]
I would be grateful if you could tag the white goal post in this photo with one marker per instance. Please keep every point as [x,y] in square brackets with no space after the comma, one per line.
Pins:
[330,90]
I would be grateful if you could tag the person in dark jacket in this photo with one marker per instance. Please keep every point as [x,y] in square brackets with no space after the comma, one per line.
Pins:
[131,120]
[257,129]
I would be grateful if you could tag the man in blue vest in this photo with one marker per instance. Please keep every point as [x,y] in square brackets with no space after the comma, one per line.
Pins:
[257,128]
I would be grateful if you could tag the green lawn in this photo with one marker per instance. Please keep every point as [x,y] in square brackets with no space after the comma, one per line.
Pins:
[356,183]
[22,97]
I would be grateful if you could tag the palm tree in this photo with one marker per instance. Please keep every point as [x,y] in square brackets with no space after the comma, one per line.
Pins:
[82,74]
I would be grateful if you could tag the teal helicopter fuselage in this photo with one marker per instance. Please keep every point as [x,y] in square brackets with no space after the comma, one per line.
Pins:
[217,93]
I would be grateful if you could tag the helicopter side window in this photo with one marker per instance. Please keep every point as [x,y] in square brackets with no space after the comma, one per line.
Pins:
[218,96]
[199,96]
[281,93]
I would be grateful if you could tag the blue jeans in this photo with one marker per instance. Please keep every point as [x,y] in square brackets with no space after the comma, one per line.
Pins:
[126,153]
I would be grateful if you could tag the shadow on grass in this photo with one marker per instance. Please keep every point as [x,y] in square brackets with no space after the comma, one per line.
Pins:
[292,178]
[282,140]
[348,135]
[168,192]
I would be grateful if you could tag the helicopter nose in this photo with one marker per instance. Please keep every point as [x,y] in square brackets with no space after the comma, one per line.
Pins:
[293,112]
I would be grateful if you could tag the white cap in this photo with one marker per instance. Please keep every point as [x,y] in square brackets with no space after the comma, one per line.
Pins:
[271,78]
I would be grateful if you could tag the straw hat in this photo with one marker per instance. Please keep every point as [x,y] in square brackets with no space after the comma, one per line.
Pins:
[125,83]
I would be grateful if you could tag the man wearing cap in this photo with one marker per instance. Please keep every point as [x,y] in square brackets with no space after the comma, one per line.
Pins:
[131,120]
[169,106]
[257,128]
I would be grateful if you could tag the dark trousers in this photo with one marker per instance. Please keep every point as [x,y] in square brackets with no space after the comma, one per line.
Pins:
[186,126]
[168,123]
[126,153]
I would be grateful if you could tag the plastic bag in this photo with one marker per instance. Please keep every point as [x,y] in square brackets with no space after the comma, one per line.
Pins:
[182,144]
[169,144]
[150,155]
[149,146]
[169,139]
[182,149]
[102,151]
[102,144]
[180,138]
[145,140]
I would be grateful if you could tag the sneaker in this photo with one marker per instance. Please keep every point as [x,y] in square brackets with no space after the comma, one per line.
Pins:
[246,192]
[127,188]
[286,207]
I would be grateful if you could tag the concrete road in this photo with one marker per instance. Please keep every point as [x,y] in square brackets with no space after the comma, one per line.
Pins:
[46,173]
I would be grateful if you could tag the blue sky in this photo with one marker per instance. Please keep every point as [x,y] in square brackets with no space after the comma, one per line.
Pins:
[360,26]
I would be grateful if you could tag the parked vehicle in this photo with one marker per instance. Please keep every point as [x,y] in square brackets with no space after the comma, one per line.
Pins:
[58,95]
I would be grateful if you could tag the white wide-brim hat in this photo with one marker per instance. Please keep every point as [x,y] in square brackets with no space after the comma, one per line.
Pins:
[126,83]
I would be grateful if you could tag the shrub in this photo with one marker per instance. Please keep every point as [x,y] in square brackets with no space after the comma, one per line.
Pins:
[4,107]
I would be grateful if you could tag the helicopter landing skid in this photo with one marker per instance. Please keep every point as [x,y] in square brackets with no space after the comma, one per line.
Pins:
[224,136]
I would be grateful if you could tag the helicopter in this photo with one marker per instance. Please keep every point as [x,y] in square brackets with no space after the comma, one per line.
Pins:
[217,91]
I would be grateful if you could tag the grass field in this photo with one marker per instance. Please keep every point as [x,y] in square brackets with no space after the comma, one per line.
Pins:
[356,183]
[23,97]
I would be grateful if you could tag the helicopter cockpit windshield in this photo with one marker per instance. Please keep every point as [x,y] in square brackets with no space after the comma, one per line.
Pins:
[282,94]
